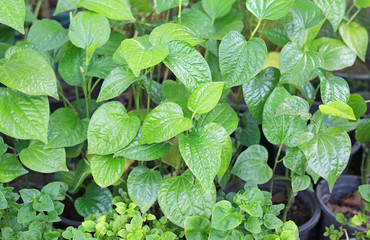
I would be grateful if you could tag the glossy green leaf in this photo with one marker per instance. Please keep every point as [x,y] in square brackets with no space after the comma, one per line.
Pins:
[300,183]
[240,61]
[257,91]
[272,222]
[188,65]
[271,10]
[110,47]
[306,13]
[143,185]
[250,134]
[198,22]
[226,235]
[65,129]
[253,225]
[197,228]
[25,215]
[12,14]
[363,131]
[173,157]
[69,66]
[327,153]
[333,10]
[334,89]
[201,151]
[173,32]
[47,34]
[176,92]
[28,71]
[3,202]
[358,104]
[225,216]
[139,53]
[217,8]
[63,6]
[89,29]
[252,165]
[364,192]
[223,115]
[83,170]
[276,35]
[96,200]
[111,129]
[362,3]
[294,106]
[3,146]
[205,97]
[335,53]
[184,196]
[39,158]
[356,37]
[10,168]
[23,116]
[113,9]
[106,170]
[163,123]
[118,80]
[100,67]
[162,5]
[221,32]
[281,129]
[339,109]
[297,66]
[295,160]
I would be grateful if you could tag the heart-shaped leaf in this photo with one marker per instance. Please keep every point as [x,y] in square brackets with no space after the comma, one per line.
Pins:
[173,32]
[362,3]
[65,129]
[240,61]
[197,228]
[276,35]
[206,97]
[111,129]
[198,22]
[69,66]
[12,14]
[294,106]
[333,10]
[143,185]
[29,72]
[41,159]
[101,67]
[225,216]
[327,152]
[162,5]
[188,65]
[176,92]
[300,183]
[339,109]
[113,9]
[184,196]
[295,160]
[107,169]
[96,200]
[163,123]
[217,8]
[356,37]
[10,168]
[271,10]
[334,89]
[31,119]
[201,151]
[253,225]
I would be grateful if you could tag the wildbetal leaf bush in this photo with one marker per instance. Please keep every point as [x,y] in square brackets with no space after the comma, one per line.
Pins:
[157,106]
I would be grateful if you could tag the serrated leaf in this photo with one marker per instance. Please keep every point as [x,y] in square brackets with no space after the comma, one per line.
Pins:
[162,5]
[31,119]
[163,123]
[12,14]
[111,129]
[252,165]
[205,97]
[28,71]
[69,66]
[225,216]
[333,10]
[173,32]
[269,9]
[143,185]
[188,65]
[356,37]
[334,89]
[294,106]
[41,159]
[198,22]
[217,8]
[201,151]
[10,168]
[328,153]
[113,9]
[240,61]
[295,160]
[300,183]
[339,109]
[197,228]
[106,170]
[276,35]
[184,196]
[63,6]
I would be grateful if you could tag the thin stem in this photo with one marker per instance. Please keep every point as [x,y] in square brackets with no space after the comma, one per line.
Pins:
[289,204]
[365,166]
[84,88]
[38,7]
[168,15]
[368,101]
[192,116]
[206,54]
[61,93]
[137,97]
[78,99]
[238,99]
[95,84]
[179,15]
[68,102]
[150,89]
[350,8]
[256,28]
[353,17]
[275,165]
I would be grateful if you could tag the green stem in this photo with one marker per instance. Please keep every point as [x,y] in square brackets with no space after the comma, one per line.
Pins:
[168,15]
[256,28]
[84,88]
[150,89]
[95,84]
[275,165]
[192,116]
[238,99]
[179,15]
[206,54]
[350,8]
[365,166]
[38,7]
[353,17]
[137,97]
[68,102]
[289,204]
[78,100]
[368,101]
[61,93]
[236,155]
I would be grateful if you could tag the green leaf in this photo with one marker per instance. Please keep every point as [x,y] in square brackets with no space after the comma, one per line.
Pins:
[250,134]
[358,104]
[163,123]
[364,191]
[339,109]
[295,160]
[63,6]
[226,235]
[47,34]
[176,92]
[252,165]
[300,183]
[69,66]
[101,67]
[162,5]
[221,32]
[198,22]
[223,115]
[356,37]
[197,228]
[281,129]
[3,202]
[363,131]
[335,53]
[201,151]
[205,97]
[31,118]
[3,146]
[257,91]
[184,196]
[10,168]
[143,185]
[89,29]
[12,14]
[294,106]
[56,190]
[169,32]
[173,157]
[306,13]
[28,71]
[26,214]
[111,129]
[65,129]
[362,3]
[276,35]
[39,158]
[240,61]
[110,47]
[82,172]
[333,10]
[113,9]
[107,169]
[252,225]
[225,216]
[43,203]
[297,66]
[271,221]
[188,65]
[217,8]
[334,89]
[271,10]
[327,153]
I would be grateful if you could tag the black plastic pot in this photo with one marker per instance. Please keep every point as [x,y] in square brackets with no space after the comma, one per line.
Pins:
[344,185]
